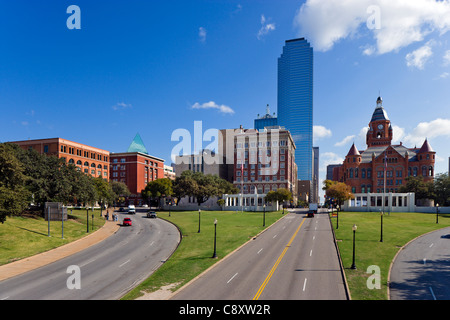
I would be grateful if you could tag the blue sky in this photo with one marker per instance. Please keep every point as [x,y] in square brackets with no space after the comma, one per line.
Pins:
[156,66]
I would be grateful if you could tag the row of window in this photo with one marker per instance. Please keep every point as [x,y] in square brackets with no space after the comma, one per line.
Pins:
[354,172]
[80,153]
[86,164]
[260,179]
[260,144]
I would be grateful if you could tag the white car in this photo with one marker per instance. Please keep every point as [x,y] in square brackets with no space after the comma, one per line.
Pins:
[131,209]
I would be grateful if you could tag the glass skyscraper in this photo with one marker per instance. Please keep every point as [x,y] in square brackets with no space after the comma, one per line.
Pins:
[295,100]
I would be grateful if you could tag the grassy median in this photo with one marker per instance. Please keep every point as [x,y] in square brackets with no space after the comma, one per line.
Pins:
[398,229]
[22,237]
[194,254]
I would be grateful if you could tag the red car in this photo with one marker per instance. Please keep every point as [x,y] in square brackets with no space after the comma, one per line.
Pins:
[127,222]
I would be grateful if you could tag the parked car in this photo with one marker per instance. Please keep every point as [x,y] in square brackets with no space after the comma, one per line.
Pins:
[151,214]
[127,222]
[131,209]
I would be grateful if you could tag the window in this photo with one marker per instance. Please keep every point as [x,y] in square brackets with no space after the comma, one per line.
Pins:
[46,149]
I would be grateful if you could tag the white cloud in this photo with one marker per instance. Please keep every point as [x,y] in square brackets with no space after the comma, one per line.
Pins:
[398,134]
[212,105]
[444,75]
[447,58]
[433,129]
[345,141]
[320,132]
[202,34]
[328,158]
[400,23]
[121,106]
[265,28]
[419,57]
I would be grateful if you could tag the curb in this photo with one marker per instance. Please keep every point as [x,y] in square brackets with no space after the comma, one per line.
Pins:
[25,265]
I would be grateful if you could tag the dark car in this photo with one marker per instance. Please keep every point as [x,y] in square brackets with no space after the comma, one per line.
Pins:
[127,222]
[151,214]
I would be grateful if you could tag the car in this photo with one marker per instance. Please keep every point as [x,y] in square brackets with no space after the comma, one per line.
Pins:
[127,222]
[145,205]
[151,214]
[131,209]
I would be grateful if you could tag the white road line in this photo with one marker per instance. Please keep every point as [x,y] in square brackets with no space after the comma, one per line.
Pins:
[304,284]
[86,263]
[432,293]
[310,253]
[314,237]
[124,263]
[259,251]
[431,245]
[232,278]
[275,236]
[4,298]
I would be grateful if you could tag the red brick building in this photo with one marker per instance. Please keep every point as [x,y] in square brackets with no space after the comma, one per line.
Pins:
[90,160]
[136,168]
[364,171]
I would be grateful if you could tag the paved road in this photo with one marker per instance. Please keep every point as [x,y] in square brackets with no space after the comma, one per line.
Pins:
[294,259]
[108,269]
[421,270]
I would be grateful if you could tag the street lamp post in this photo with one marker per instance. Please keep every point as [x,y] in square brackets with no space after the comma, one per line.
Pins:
[215,237]
[337,216]
[199,220]
[264,216]
[354,234]
[87,220]
[381,232]
[437,213]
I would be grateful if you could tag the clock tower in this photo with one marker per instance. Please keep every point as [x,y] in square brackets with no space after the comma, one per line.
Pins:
[380,129]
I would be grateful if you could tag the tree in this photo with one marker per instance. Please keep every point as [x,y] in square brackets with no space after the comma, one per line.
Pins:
[337,190]
[120,190]
[422,189]
[442,189]
[280,195]
[158,188]
[184,185]
[14,197]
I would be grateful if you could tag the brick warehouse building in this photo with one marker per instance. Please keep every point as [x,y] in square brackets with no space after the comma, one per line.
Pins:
[136,168]
[90,160]
[364,170]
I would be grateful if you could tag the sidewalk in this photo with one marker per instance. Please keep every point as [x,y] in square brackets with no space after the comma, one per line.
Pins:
[18,267]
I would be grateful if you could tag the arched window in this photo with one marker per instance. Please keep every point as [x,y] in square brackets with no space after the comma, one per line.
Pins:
[415,171]
[350,173]
[79,162]
[99,166]
[424,171]
[431,171]
[86,164]
[71,161]
[363,173]
[93,165]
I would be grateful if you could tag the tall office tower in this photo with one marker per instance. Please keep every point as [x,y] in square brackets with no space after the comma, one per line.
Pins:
[295,100]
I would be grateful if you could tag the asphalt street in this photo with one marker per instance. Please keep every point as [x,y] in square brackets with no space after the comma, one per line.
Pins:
[295,259]
[107,270]
[421,270]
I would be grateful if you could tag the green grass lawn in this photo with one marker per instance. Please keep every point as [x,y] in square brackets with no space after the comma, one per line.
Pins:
[194,254]
[22,237]
[398,229]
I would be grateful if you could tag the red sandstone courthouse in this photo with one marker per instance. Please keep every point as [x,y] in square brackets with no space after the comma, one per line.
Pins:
[364,170]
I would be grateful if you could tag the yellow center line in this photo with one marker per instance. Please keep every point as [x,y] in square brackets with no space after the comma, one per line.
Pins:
[261,289]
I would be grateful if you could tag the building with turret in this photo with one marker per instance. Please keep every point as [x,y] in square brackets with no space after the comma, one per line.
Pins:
[382,164]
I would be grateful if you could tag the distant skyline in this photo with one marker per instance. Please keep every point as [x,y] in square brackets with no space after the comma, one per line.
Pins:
[152,67]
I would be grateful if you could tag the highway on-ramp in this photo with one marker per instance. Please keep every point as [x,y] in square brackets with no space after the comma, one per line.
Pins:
[295,259]
[106,270]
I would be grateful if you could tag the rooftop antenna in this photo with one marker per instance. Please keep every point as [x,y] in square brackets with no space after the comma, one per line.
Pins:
[267,109]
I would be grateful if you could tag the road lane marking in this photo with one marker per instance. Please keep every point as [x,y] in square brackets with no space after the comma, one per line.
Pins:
[261,289]
[304,284]
[259,251]
[232,278]
[432,293]
[124,263]
[431,245]
[275,236]
[310,253]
